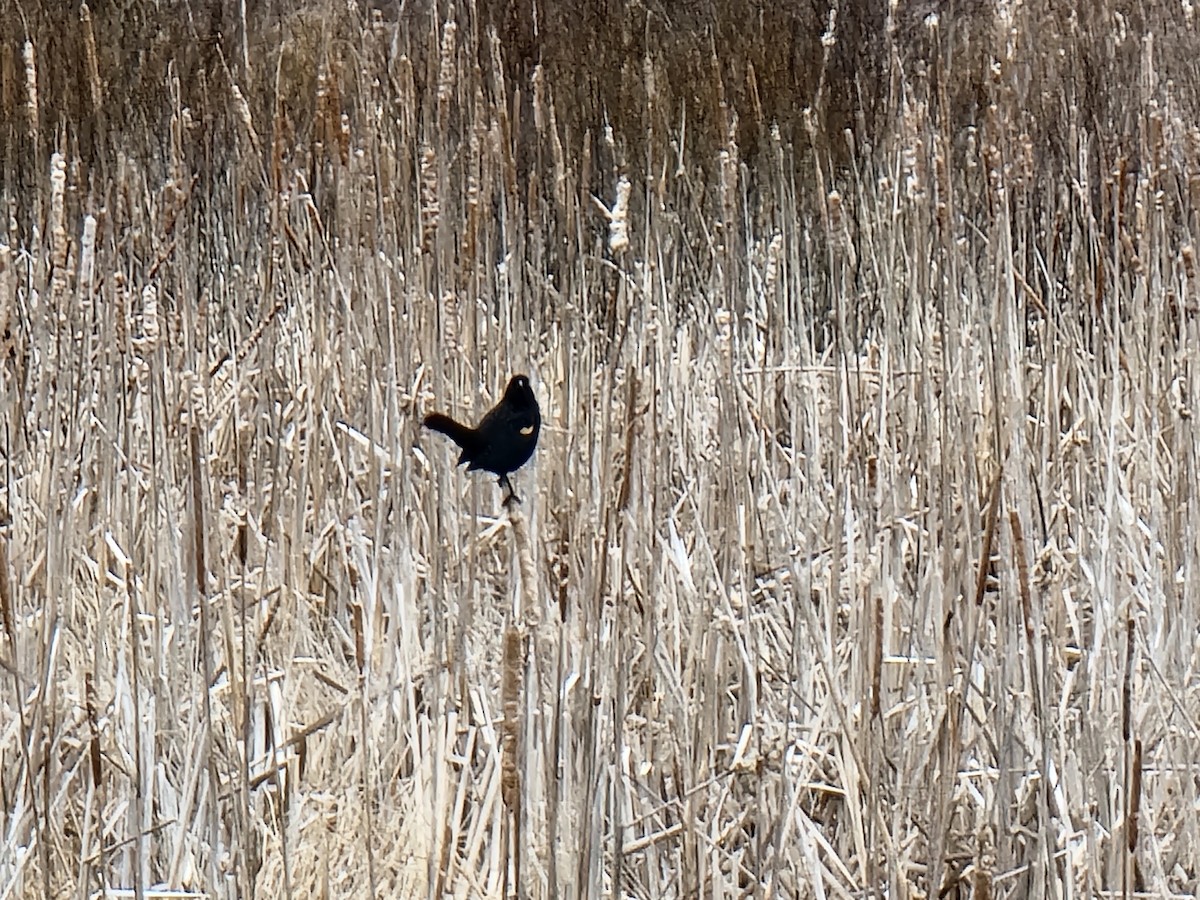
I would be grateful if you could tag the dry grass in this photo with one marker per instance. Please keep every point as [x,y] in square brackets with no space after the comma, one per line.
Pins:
[859,555]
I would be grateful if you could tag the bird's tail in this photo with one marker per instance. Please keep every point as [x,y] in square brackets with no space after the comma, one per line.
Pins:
[456,431]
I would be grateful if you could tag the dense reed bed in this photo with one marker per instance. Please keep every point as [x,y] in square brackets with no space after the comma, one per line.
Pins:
[859,553]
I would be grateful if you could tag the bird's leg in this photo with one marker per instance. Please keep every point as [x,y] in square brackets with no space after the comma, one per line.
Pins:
[512,495]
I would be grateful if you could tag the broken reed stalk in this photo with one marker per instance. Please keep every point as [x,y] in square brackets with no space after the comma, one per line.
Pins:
[6,614]
[989,534]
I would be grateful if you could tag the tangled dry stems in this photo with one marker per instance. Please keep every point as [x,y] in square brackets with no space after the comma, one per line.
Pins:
[859,554]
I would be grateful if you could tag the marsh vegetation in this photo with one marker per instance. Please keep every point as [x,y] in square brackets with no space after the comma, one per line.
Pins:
[858,556]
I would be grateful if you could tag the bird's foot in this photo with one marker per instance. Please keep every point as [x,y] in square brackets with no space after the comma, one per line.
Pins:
[511,497]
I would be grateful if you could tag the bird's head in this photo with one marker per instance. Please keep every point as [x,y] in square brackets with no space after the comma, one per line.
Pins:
[519,393]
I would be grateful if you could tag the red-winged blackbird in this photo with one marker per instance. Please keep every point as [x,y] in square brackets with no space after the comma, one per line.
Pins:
[503,440]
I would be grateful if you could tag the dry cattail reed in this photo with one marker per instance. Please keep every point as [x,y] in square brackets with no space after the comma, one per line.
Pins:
[475,190]
[771,274]
[429,197]
[89,696]
[510,729]
[618,218]
[31,91]
[839,229]
[447,75]
[87,260]
[723,319]
[242,109]
[981,882]
[1127,685]
[877,654]
[7,290]
[58,230]
[528,611]
[945,190]
[729,162]
[90,63]
[538,82]
[451,323]
[151,329]
[630,430]
[59,243]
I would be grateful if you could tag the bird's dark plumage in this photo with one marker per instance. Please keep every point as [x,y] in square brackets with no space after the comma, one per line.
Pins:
[503,440]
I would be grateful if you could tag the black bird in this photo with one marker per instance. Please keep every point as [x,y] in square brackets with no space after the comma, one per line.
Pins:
[503,440]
